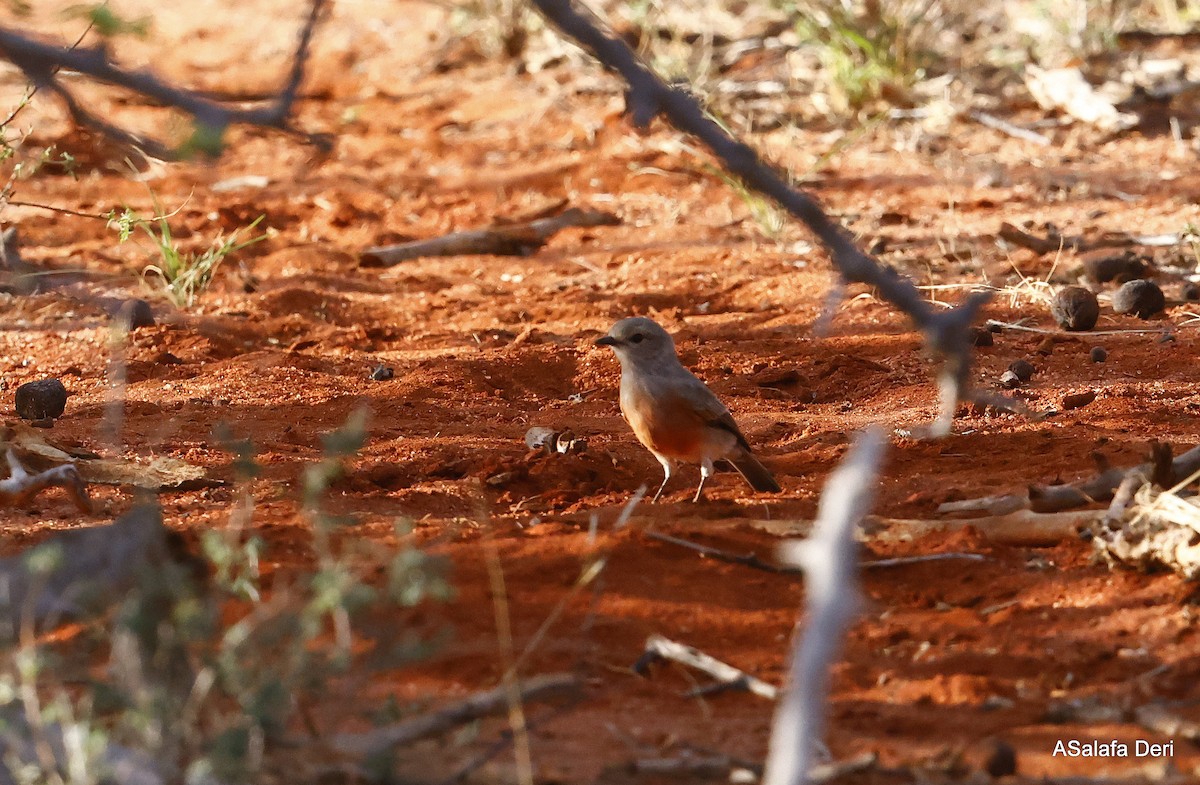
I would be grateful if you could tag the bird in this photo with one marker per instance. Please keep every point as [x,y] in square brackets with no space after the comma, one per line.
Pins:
[674,414]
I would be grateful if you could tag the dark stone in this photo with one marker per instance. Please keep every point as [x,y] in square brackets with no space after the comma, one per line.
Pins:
[40,400]
[1078,400]
[1023,369]
[134,314]
[1075,308]
[1123,267]
[1099,354]
[1142,298]
[1189,291]
[382,373]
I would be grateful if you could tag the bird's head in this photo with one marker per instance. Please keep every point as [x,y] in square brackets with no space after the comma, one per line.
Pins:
[638,339]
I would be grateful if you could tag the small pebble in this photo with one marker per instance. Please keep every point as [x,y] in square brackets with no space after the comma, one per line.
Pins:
[1189,291]
[1078,400]
[1121,268]
[382,373]
[1023,369]
[1009,380]
[1142,298]
[1075,308]
[1099,354]
[134,314]
[40,400]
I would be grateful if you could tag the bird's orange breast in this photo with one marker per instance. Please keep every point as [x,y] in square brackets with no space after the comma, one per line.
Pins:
[665,426]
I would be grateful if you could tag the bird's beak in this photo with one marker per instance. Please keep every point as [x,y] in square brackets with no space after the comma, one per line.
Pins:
[607,340]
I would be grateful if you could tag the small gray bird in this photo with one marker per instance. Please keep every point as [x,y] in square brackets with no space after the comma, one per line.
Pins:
[672,412]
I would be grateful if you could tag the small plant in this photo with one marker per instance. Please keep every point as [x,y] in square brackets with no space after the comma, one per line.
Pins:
[210,675]
[182,276]
[870,50]
[769,217]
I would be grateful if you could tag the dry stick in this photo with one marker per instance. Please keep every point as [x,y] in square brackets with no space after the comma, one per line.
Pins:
[751,560]
[516,240]
[41,61]
[483,704]
[512,690]
[21,486]
[1101,488]
[1005,127]
[1022,527]
[945,331]
[660,648]
[830,559]
[1064,333]
[1053,243]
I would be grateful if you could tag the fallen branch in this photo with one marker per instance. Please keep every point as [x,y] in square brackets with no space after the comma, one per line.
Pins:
[1053,498]
[1100,488]
[1064,333]
[1005,127]
[21,486]
[748,560]
[41,62]
[515,240]
[1054,242]
[751,560]
[1023,527]
[483,704]
[945,331]
[660,648]
[830,560]
[1156,718]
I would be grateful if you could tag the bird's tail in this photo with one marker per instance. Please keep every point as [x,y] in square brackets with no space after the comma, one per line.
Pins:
[759,477]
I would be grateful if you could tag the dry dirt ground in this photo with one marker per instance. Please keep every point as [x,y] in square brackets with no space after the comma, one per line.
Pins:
[947,656]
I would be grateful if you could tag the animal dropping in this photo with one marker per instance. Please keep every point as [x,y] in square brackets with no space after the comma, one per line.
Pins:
[1075,308]
[1141,298]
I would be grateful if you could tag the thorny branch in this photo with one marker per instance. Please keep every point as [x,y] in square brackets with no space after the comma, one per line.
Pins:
[830,560]
[648,96]
[40,62]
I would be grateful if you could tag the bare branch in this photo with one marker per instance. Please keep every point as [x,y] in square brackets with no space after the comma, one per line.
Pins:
[21,486]
[830,560]
[660,648]
[482,704]
[40,62]
[648,96]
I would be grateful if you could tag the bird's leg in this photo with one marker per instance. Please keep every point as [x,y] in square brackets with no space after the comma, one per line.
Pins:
[666,476]
[706,470]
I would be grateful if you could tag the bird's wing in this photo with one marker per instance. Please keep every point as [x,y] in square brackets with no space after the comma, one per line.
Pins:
[710,409]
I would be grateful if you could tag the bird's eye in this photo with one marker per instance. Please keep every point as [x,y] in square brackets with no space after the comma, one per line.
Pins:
[636,338]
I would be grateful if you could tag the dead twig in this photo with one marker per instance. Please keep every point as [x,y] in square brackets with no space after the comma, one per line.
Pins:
[515,240]
[1064,333]
[483,704]
[1005,127]
[830,561]
[21,486]
[1101,488]
[660,648]
[41,62]
[749,559]
[945,331]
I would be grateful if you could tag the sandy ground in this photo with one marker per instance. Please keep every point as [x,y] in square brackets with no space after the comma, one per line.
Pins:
[947,658]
